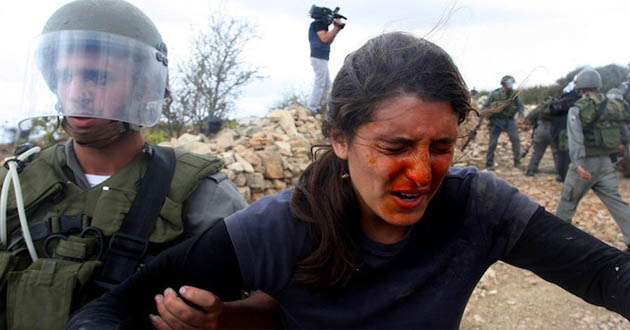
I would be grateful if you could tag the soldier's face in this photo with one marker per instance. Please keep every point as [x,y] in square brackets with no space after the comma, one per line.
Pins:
[91,85]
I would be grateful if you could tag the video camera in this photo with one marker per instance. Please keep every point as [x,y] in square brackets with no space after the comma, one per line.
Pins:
[326,14]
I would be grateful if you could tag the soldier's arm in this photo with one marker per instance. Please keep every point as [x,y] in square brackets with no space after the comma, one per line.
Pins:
[532,116]
[625,134]
[577,153]
[215,198]
[208,262]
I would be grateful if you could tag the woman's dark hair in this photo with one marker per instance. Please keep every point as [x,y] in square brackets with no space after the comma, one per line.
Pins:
[390,65]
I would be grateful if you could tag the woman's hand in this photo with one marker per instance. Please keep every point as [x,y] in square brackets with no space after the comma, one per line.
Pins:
[175,313]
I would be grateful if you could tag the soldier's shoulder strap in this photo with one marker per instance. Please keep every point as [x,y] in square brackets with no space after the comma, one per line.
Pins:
[600,111]
[128,246]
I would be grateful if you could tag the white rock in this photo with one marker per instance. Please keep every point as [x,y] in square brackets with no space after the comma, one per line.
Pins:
[285,120]
[247,167]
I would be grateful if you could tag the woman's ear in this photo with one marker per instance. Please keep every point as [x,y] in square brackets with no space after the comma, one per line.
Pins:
[340,146]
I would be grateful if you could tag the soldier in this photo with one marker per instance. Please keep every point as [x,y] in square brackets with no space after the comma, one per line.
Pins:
[623,165]
[624,88]
[560,110]
[541,118]
[595,128]
[100,205]
[503,103]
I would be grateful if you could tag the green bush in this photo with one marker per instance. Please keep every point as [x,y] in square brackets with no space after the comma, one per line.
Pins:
[612,75]
[155,134]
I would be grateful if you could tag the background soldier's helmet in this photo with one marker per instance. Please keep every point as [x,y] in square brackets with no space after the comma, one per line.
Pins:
[588,79]
[103,29]
[507,81]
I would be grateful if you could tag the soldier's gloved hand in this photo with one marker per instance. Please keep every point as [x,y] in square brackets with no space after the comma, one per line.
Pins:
[177,314]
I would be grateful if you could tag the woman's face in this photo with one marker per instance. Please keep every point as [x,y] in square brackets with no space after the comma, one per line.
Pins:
[397,162]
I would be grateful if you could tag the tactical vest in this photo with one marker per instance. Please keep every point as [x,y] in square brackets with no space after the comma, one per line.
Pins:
[42,295]
[545,109]
[502,100]
[602,137]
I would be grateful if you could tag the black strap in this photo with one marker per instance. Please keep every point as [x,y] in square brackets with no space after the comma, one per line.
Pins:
[62,224]
[128,246]
[598,114]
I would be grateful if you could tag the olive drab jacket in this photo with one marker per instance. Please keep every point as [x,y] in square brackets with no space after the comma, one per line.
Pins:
[71,228]
[602,135]
[508,104]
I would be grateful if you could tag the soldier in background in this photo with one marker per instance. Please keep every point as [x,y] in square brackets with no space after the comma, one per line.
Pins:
[623,165]
[560,110]
[624,88]
[503,104]
[596,130]
[541,118]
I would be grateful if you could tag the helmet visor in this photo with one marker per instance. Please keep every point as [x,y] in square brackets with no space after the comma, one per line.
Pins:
[94,74]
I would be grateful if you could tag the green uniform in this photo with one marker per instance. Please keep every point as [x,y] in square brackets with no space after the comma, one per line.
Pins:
[60,205]
[503,121]
[541,118]
[591,142]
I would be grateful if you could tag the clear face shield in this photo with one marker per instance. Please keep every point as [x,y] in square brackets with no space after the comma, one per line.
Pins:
[509,83]
[94,75]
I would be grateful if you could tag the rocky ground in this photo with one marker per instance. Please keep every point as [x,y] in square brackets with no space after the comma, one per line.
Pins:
[511,298]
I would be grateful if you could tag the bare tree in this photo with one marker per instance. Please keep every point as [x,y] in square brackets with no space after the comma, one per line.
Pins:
[211,79]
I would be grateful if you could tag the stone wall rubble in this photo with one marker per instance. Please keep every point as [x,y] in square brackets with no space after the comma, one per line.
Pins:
[261,156]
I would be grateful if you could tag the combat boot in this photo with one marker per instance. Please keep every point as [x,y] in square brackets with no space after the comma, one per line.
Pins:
[517,164]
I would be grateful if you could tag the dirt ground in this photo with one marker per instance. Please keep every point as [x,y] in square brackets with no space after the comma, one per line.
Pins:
[512,298]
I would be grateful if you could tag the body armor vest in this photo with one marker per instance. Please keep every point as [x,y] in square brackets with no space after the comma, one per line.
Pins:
[504,101]
[545,109]
[44,293]
[602,136]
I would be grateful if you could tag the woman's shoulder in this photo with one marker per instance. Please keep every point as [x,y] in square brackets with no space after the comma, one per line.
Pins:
[269,207]
[270,215]
[477,185]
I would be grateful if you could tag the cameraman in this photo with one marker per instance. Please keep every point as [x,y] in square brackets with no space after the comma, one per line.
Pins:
[320,39]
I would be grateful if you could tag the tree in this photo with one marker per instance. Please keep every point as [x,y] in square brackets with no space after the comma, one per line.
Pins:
[290,97]
[213,76]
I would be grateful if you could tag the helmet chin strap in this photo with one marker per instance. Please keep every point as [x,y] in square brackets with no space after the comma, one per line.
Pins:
[98,136]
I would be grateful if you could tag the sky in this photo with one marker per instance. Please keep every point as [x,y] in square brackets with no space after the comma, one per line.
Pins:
[536,41]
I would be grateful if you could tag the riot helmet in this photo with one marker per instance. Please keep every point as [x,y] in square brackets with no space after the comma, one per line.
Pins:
[588,79]
[97,59]
[507,81]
